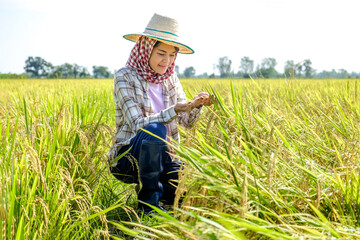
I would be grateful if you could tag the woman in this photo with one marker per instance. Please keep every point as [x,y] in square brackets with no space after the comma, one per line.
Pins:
[148,95]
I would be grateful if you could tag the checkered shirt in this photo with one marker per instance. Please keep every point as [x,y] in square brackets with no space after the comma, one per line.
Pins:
[133,107]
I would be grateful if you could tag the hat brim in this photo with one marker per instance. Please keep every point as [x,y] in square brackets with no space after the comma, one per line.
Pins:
[182,47]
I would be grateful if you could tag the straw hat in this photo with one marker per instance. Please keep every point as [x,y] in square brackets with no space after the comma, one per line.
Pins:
[164,29]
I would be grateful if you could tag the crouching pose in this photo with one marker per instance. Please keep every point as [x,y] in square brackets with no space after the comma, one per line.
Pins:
[148,95]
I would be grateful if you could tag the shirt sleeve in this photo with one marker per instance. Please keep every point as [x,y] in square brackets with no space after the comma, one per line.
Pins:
[186,119]
[132,107]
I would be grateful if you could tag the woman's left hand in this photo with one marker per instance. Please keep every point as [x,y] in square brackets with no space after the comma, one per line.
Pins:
[202,99]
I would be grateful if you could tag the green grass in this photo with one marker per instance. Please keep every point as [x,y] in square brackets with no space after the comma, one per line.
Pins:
[274,159]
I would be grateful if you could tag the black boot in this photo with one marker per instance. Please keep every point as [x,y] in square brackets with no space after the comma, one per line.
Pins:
[150,167]
[169,178]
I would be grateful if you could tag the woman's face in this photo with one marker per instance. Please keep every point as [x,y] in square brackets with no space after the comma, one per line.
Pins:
[162,56]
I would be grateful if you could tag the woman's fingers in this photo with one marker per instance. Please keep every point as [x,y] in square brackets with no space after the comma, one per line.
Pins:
[206,100]
[202,99]
[201,94]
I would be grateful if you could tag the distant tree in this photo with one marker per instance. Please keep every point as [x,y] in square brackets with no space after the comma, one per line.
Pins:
[83,73]
[56,72]
[267,68]
[268,63]
[327,74]
[289,68]
[298,70]
[343,73]
[13,76]
[101,72]
[246,67]
[204,75]
[189,72]
[177,70]
[76,70]
[354,75]
[224,67]
[308,70]
[65,70]
[68,70]
[79,71]
[37,67]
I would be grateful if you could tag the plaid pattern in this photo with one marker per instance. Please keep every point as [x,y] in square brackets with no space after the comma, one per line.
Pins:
[134,108]
[139,60]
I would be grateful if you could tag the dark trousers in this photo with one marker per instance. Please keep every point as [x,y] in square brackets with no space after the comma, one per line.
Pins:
[127,171]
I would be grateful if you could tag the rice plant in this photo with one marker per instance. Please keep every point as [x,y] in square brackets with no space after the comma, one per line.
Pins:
[273,159]
[54,180]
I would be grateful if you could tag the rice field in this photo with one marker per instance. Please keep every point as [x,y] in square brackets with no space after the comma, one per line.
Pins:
[274,159]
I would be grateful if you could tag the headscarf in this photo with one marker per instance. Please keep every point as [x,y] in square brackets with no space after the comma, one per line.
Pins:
[139,60]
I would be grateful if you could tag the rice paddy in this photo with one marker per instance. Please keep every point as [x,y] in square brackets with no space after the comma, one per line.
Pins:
[274,159]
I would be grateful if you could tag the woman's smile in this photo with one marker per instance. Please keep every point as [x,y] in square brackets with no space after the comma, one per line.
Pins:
[162,56]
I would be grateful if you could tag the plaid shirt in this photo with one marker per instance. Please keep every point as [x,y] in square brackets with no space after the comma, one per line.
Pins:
[134,108]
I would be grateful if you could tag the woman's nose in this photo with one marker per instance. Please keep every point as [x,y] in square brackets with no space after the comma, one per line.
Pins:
[166,59]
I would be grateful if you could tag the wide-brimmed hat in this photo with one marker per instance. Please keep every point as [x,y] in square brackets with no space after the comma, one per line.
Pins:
[164,29]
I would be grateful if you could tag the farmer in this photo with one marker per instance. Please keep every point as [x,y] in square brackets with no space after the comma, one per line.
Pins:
[148,95]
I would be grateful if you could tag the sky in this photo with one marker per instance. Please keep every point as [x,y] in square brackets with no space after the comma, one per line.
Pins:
[88,33]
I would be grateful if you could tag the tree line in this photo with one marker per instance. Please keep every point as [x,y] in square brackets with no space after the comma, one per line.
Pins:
[37,67]
[266,69]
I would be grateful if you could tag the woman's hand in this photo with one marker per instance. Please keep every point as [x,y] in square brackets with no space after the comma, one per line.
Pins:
[202,99]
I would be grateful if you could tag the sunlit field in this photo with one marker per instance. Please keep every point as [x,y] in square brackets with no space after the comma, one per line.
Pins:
[274,159]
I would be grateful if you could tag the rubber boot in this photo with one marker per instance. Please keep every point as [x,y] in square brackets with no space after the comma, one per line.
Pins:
[150,168]
[169,178]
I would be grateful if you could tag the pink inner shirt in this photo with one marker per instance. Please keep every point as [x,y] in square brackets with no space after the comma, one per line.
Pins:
[157,99]
[156,96]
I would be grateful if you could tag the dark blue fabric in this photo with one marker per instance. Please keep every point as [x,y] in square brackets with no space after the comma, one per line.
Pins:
[126,169]
[156,128]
